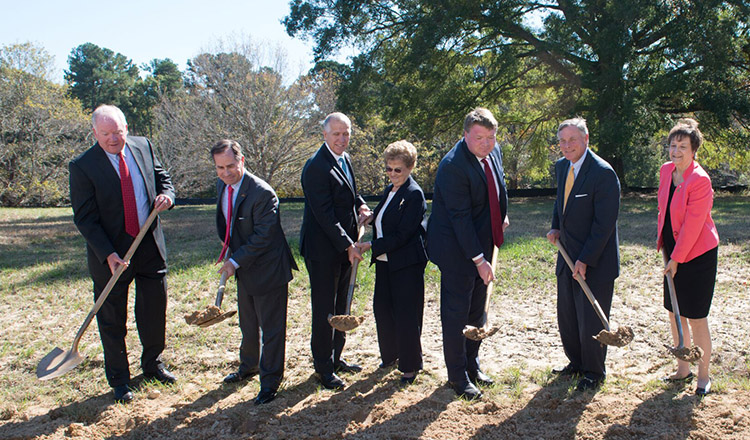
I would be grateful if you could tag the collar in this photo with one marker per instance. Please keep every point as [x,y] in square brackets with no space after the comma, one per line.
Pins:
[336,157]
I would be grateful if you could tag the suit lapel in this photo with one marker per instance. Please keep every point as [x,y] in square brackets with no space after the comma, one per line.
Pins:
[580,179]
[241,197]
[337,168]
[141,162]
[472,160]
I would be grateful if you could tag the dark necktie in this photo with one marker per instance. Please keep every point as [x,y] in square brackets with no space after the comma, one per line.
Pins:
[128,199]
[495,214]
[230,192]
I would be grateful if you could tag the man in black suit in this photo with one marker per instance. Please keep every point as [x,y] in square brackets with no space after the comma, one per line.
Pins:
[262,263]
[469,215]
[113,187]
[329,231]
[584,219]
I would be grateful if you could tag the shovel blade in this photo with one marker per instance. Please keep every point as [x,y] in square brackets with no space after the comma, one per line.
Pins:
[57,363]
[217,319]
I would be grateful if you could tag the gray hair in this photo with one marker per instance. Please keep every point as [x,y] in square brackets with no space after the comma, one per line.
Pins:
[578,123]
[110,111]
[336,116]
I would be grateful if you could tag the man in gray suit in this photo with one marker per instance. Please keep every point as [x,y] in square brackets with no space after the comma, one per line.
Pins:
[584,219]
[248,222]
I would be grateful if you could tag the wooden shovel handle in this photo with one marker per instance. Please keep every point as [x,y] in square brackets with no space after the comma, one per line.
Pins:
[673,300]
[585,286]
[115,276]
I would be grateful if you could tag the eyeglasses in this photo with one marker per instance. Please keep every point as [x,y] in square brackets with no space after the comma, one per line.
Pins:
[394,170]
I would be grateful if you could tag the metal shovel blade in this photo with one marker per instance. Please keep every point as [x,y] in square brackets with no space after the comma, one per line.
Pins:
[57,363]
[217,319]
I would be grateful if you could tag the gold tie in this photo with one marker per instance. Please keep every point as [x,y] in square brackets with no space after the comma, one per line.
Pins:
[568,185]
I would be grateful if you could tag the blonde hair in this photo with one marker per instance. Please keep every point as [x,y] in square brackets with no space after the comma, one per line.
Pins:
[401,150]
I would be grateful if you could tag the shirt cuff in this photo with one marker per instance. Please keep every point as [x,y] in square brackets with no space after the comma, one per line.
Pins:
[234,263]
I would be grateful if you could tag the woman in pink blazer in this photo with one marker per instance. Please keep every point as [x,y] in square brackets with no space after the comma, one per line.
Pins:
[689,237]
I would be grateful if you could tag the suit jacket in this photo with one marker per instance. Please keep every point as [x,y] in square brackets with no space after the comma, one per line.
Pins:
[96,198]
[588,227]
[329,222]
[690,212]
[403,226]
[258,243]
[459,227]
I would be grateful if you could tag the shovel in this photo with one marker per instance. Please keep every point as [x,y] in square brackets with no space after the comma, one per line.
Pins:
[212,314]
[477,334]
[59,362]
[693,353]
[619,338]
[344,323]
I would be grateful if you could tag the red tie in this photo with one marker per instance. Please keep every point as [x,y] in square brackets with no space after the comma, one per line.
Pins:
[230,192]
[128,199]
[495,215]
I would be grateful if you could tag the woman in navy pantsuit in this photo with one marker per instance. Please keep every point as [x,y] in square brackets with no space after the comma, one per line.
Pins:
[399,255]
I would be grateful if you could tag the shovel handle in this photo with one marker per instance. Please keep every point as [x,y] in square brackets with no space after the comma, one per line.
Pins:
[353,276]
[585,286]
[490,285]
[113,280]
[222,282]
[673,300]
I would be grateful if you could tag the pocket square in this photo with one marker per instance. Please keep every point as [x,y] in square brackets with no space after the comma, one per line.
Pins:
[581,195]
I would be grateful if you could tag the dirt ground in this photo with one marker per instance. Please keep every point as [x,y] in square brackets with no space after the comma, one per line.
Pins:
[527,401]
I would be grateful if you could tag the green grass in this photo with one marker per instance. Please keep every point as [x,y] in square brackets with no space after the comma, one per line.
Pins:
[45,293]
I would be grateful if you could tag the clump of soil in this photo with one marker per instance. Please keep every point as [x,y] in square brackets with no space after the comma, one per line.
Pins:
[692,354]
[202,316]
[479,333]
[619,338]
[344,323]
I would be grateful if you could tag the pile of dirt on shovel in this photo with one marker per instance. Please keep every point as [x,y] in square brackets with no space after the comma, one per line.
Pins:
[344,323]
[479,333]
[691,354]
[619,338]
[200,316]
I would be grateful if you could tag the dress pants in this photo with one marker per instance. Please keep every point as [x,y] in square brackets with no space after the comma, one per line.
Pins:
[148,269]
[462,300]
[329,281]
[398,304]
[263,325]
[578,322]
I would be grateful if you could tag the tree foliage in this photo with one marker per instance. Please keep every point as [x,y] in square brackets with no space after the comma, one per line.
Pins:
[628,66]
[41,129]
[234,94]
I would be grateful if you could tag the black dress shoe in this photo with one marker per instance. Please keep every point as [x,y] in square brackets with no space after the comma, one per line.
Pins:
[123,394]
[478,378]
[162,375]
[466,389]
[331,381]
[388,364]
[342,366]
[566,371]
[238,376]
[265,395]
[408,378]
[587,383]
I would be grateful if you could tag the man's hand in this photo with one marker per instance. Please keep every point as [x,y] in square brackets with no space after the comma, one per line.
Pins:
[485,271]
[506,223]
[363,247]
[114,260]
[671,267]
[580,269]
[162,203]
[553,235]
[353,254]
[227,268]
[365,215]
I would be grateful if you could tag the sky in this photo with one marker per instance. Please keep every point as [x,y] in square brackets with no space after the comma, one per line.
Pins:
[143,30]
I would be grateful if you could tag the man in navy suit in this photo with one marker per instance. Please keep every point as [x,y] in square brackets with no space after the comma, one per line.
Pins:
[469,214]
[109,210]
[584,219]
[262,263]
[327,238]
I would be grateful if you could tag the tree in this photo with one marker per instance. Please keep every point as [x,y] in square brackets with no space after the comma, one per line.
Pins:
[41,129]
[625,65]
[99,76]
[236,94]
[164,80]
